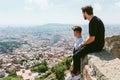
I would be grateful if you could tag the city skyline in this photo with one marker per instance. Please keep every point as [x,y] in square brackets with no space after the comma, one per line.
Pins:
[56,11]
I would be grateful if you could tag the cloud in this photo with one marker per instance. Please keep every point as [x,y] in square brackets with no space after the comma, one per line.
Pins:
[40,4]
[43,4]
[117,4]
[97,7]
[28,1]
[77,0]
[28,8]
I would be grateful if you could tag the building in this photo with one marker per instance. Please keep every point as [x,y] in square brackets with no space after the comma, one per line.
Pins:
[26,74]
[2,73]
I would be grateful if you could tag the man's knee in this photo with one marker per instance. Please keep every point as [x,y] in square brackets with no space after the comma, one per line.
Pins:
[74,56]
[83,52]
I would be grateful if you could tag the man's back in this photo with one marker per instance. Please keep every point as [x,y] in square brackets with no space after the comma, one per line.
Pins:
[96,28]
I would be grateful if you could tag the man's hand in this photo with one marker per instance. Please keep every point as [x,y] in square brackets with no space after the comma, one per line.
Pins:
[88,41]
[79,47]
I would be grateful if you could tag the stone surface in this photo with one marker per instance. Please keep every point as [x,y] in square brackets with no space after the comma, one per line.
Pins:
[104,66]
[112,45]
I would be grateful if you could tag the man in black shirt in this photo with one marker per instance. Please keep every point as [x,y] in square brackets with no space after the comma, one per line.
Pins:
[94,43]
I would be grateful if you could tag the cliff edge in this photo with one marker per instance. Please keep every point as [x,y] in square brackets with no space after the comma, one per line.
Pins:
[112,45]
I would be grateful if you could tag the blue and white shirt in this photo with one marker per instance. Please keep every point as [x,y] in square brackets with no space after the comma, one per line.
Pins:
[78,43]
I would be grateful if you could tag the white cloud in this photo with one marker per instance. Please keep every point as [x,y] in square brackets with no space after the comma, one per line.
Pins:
[97,7]
[28,1]
[43,4]
[40,4]
[77,0]
[28,8]
[117,4]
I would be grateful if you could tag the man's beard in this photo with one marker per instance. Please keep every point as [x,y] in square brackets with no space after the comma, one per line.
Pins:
[85,18]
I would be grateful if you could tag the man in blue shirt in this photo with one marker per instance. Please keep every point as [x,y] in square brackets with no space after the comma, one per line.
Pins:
[77,33]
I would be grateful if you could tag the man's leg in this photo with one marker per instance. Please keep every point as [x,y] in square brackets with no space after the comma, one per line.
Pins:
[76,59]
[76,64]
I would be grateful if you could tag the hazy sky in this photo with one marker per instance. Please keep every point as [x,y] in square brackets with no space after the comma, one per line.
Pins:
[56,11]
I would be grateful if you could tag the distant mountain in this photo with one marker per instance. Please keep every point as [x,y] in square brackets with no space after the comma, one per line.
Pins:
[54,28]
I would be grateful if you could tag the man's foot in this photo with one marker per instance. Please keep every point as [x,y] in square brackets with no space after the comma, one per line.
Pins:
[78,73]
[76,77]
[73,74]
[71,67]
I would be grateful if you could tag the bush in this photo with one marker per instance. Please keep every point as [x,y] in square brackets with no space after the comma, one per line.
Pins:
[12,78]
[68,62]
[12,74]
[61,67]
[35,69]
[44,62]
[23,60]
[42,68]
[59,71]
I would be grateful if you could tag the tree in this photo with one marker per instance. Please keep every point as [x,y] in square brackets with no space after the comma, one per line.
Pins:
[68,62]
[44,62]
[42,68]
[59,71]
[60,68]
[36,69]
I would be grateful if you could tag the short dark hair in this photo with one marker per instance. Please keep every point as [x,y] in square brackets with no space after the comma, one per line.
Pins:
[77,28]
[88,9]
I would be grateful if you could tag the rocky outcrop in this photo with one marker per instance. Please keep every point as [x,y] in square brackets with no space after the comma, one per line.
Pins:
[112,45]
[103,66]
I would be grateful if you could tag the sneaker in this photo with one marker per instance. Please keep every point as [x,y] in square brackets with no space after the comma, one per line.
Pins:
[76,77]
[69,77]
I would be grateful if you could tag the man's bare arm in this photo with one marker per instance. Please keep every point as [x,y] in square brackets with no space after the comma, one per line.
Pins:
[88,41]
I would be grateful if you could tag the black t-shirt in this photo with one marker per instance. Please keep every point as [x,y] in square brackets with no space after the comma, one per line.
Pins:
[96,28]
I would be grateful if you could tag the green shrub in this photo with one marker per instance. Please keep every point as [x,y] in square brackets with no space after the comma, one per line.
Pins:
[35,69]
[42,68]
[60,68]
[44,62]
[12,78]
[59,71]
